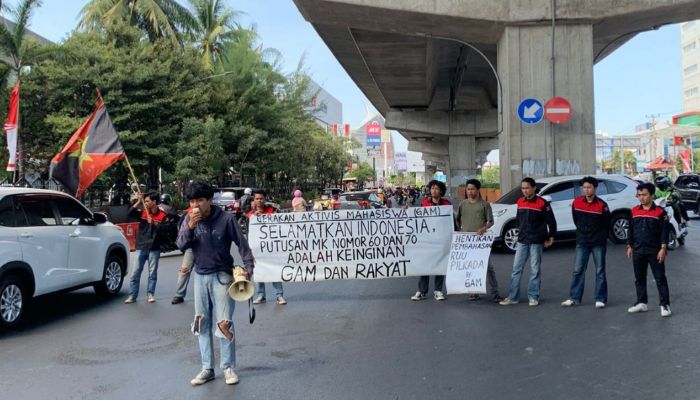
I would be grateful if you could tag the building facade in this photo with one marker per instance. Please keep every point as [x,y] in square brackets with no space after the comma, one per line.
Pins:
[690,65]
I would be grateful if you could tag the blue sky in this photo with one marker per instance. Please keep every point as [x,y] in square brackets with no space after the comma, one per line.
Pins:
[641,78]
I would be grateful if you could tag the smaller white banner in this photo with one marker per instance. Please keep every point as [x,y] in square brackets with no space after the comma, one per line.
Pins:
[466,266]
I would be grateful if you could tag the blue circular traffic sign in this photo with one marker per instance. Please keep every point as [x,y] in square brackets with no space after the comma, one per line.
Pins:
[530,111]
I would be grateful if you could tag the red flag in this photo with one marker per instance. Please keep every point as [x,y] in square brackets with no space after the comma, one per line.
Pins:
[93,148]
[685,160]
[11,127]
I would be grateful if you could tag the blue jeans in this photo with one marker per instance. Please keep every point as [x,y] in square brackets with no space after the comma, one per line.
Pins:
[522,252]
[183,276]
[279,291]
[142,256]
[212,304]
[579,275]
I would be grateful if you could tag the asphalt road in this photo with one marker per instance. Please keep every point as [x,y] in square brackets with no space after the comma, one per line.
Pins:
[367,340]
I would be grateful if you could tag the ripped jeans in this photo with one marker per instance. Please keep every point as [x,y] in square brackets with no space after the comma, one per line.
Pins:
[212,305]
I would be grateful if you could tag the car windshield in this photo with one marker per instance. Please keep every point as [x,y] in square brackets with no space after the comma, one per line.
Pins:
[224,196]
[513,196]
[357,197]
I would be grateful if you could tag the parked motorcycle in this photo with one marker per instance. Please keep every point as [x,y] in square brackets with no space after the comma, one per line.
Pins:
[677,234]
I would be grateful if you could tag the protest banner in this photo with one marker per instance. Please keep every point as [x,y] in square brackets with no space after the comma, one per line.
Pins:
[351,244]
[469,258]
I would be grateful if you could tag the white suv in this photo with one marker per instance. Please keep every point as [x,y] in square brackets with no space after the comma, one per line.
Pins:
[618,191]
[50,242]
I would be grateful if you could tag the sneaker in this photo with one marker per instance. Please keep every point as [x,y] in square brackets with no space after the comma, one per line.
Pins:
[497,298]
[665,311]
[599,304]
[508,302]
[639,307]
[418,296]
[533,303]
[439,296]
[474,297]
[150,298]
[130,299]
[281,301]
[260,299]
[203,377]
[230,376]
[177,300]
[568,303]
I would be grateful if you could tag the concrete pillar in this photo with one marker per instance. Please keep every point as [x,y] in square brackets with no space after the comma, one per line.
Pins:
[525,70]
[462,164]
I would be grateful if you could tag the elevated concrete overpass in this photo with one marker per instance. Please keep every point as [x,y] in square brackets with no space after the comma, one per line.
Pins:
[449,74]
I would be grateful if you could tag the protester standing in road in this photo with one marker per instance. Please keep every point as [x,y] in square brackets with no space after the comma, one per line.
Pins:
[592,219]
[259,208]
[154,227]
[475,215]
[537,229]
[646,246]
[298,203]
[246,201]
[437,198]
[209,232]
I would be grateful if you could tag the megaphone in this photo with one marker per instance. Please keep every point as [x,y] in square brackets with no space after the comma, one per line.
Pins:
[241,289]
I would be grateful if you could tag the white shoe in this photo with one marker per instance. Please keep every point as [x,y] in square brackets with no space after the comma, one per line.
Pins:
[639,307]
[533,303]
[665,311]
[281,301]
[439,296]
[230,376]
[507,302]
[418,296]
[568,303]
[203,377]
[599,304]
[259,300]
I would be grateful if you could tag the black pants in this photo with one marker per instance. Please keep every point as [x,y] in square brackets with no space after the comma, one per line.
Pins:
[424,282]
[641,261]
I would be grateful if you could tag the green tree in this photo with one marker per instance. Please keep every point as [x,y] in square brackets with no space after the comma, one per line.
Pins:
[157,18]
[200,149]
[214,27]
[149,90]
[363,173]
[613,163]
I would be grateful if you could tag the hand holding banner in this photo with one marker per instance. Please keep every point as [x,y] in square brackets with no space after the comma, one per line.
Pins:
[469,258]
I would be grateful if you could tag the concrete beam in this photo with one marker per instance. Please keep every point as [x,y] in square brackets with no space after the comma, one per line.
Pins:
[444,122]
[440,149]
[485,145]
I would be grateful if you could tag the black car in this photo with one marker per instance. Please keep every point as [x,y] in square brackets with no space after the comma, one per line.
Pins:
[688,187]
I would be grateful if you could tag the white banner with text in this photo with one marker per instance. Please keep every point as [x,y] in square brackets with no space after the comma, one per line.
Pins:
[351,244]
[466,267]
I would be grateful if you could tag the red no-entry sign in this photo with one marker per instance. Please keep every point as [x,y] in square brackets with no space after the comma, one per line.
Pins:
[557,110]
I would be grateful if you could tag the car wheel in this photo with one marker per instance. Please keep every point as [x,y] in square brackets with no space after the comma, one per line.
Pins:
[619,228]
[112,277]
[672,240]
[510,237]
[12,301]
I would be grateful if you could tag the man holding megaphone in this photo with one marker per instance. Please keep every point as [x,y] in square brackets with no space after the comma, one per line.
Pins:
[209,232]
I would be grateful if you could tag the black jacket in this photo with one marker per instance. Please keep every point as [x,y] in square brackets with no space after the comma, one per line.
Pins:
[535,220]
[152,237]
[648,229]
[592,221]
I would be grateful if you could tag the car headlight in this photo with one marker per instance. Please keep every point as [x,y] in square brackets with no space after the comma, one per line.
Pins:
[500,212]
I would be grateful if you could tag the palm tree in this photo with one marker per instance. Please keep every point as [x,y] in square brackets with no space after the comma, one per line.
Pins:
[158,18]
[18,50]
[215,26]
